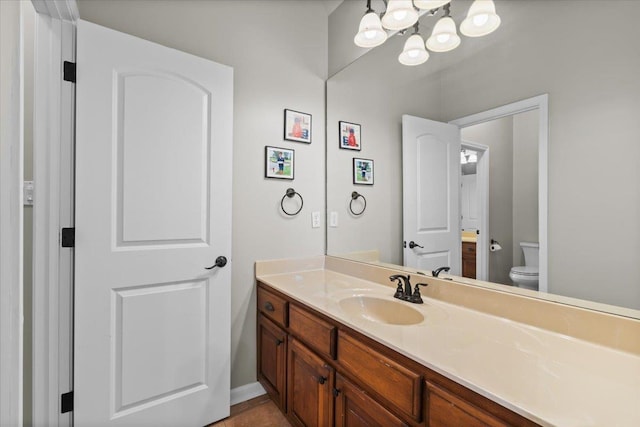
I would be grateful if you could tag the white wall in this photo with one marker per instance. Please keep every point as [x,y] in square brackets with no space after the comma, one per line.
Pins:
[278,50]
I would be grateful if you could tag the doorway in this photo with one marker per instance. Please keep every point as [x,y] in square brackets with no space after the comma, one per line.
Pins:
[503,213]
[474,208]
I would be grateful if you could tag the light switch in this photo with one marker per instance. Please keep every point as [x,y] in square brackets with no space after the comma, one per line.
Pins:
[315,219]
[27,194]
[333,219]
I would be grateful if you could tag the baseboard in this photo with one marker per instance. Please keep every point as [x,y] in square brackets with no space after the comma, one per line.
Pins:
[246,392]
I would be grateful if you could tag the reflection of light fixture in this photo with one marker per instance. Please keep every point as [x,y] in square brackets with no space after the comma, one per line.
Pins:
[444,36]
[463,158]
[414,52]
[370,32]
[401,14]
[468,157]
[430,4]
[481,19]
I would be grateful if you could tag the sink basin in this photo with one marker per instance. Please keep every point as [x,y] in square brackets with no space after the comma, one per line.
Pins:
[381,310]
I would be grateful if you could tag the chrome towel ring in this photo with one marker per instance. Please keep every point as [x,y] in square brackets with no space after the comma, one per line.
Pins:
[290,193]
[355,196]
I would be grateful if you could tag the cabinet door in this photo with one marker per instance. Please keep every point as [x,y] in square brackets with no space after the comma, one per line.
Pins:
[272,360]
[355,408]
[310,385]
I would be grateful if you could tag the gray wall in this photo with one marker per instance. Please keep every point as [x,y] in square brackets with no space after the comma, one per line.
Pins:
[498,136]
[525,182]
[589,65]
[278,50]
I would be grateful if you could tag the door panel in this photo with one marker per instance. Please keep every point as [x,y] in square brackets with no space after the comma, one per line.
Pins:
[153,197]
[175,135]
[431,176]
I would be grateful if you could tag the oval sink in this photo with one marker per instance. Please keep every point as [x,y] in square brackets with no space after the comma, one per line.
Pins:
[381,310]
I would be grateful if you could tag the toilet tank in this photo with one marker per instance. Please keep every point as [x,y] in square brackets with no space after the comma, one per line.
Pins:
[530,250]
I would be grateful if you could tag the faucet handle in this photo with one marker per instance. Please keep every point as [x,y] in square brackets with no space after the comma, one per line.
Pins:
[417,297]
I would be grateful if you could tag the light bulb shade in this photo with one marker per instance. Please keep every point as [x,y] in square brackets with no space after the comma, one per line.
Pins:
[444,36]
[414,52]
[400,14]
[430,4]
[370,32]
[463,158]
[481,19]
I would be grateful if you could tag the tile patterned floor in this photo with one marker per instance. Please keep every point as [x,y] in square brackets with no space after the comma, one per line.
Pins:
[258,412]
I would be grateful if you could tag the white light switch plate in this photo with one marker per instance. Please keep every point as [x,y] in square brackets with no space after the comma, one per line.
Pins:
[315,219]
[27,194]
[333,219]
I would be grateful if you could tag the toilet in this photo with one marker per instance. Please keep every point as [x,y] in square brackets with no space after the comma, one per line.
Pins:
[526,276]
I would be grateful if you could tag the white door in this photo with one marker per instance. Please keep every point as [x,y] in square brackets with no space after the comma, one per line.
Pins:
[153,209]
[430,179]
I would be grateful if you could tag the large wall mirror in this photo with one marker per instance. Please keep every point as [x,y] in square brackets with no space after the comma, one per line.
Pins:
[572,200]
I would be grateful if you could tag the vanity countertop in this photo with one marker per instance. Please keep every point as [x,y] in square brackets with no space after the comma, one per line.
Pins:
[469,236]
[550,378]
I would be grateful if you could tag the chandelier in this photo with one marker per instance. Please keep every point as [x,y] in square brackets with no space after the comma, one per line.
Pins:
[401,15]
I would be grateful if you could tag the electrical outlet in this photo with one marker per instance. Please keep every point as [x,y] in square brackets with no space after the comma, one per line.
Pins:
[333,219]
[315,219]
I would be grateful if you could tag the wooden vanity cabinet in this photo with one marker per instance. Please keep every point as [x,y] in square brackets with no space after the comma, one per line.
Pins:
[272,360]
[310,387]
[322,373]
[469,260]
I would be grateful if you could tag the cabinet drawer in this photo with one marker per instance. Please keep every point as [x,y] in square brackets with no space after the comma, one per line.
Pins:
[315,332]
[468,249]
[273,306]
[446,409]
[398,386]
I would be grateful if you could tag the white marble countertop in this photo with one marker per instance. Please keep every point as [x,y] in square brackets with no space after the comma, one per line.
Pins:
[552,379]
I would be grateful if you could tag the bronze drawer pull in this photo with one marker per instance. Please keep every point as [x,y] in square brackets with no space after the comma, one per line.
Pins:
[322,380]
[269,307]
[278,342]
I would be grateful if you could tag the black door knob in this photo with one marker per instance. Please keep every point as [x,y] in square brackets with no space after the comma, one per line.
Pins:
[221,261]
[413,244]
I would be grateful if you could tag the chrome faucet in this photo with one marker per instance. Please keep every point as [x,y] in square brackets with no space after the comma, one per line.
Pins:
[405,293]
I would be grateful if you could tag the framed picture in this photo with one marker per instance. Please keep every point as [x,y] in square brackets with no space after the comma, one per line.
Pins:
[350,136]
[297,126]
[362,171]
[278,162]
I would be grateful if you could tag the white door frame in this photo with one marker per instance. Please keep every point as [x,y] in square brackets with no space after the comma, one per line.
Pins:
[541,103]
[11,214]
[482,254]
[53,209]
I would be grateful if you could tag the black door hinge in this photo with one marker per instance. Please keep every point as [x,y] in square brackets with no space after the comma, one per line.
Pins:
[68,237]
[66,402]
[69,71]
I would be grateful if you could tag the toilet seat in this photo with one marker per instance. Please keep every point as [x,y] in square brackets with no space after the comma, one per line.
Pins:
[524,270]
